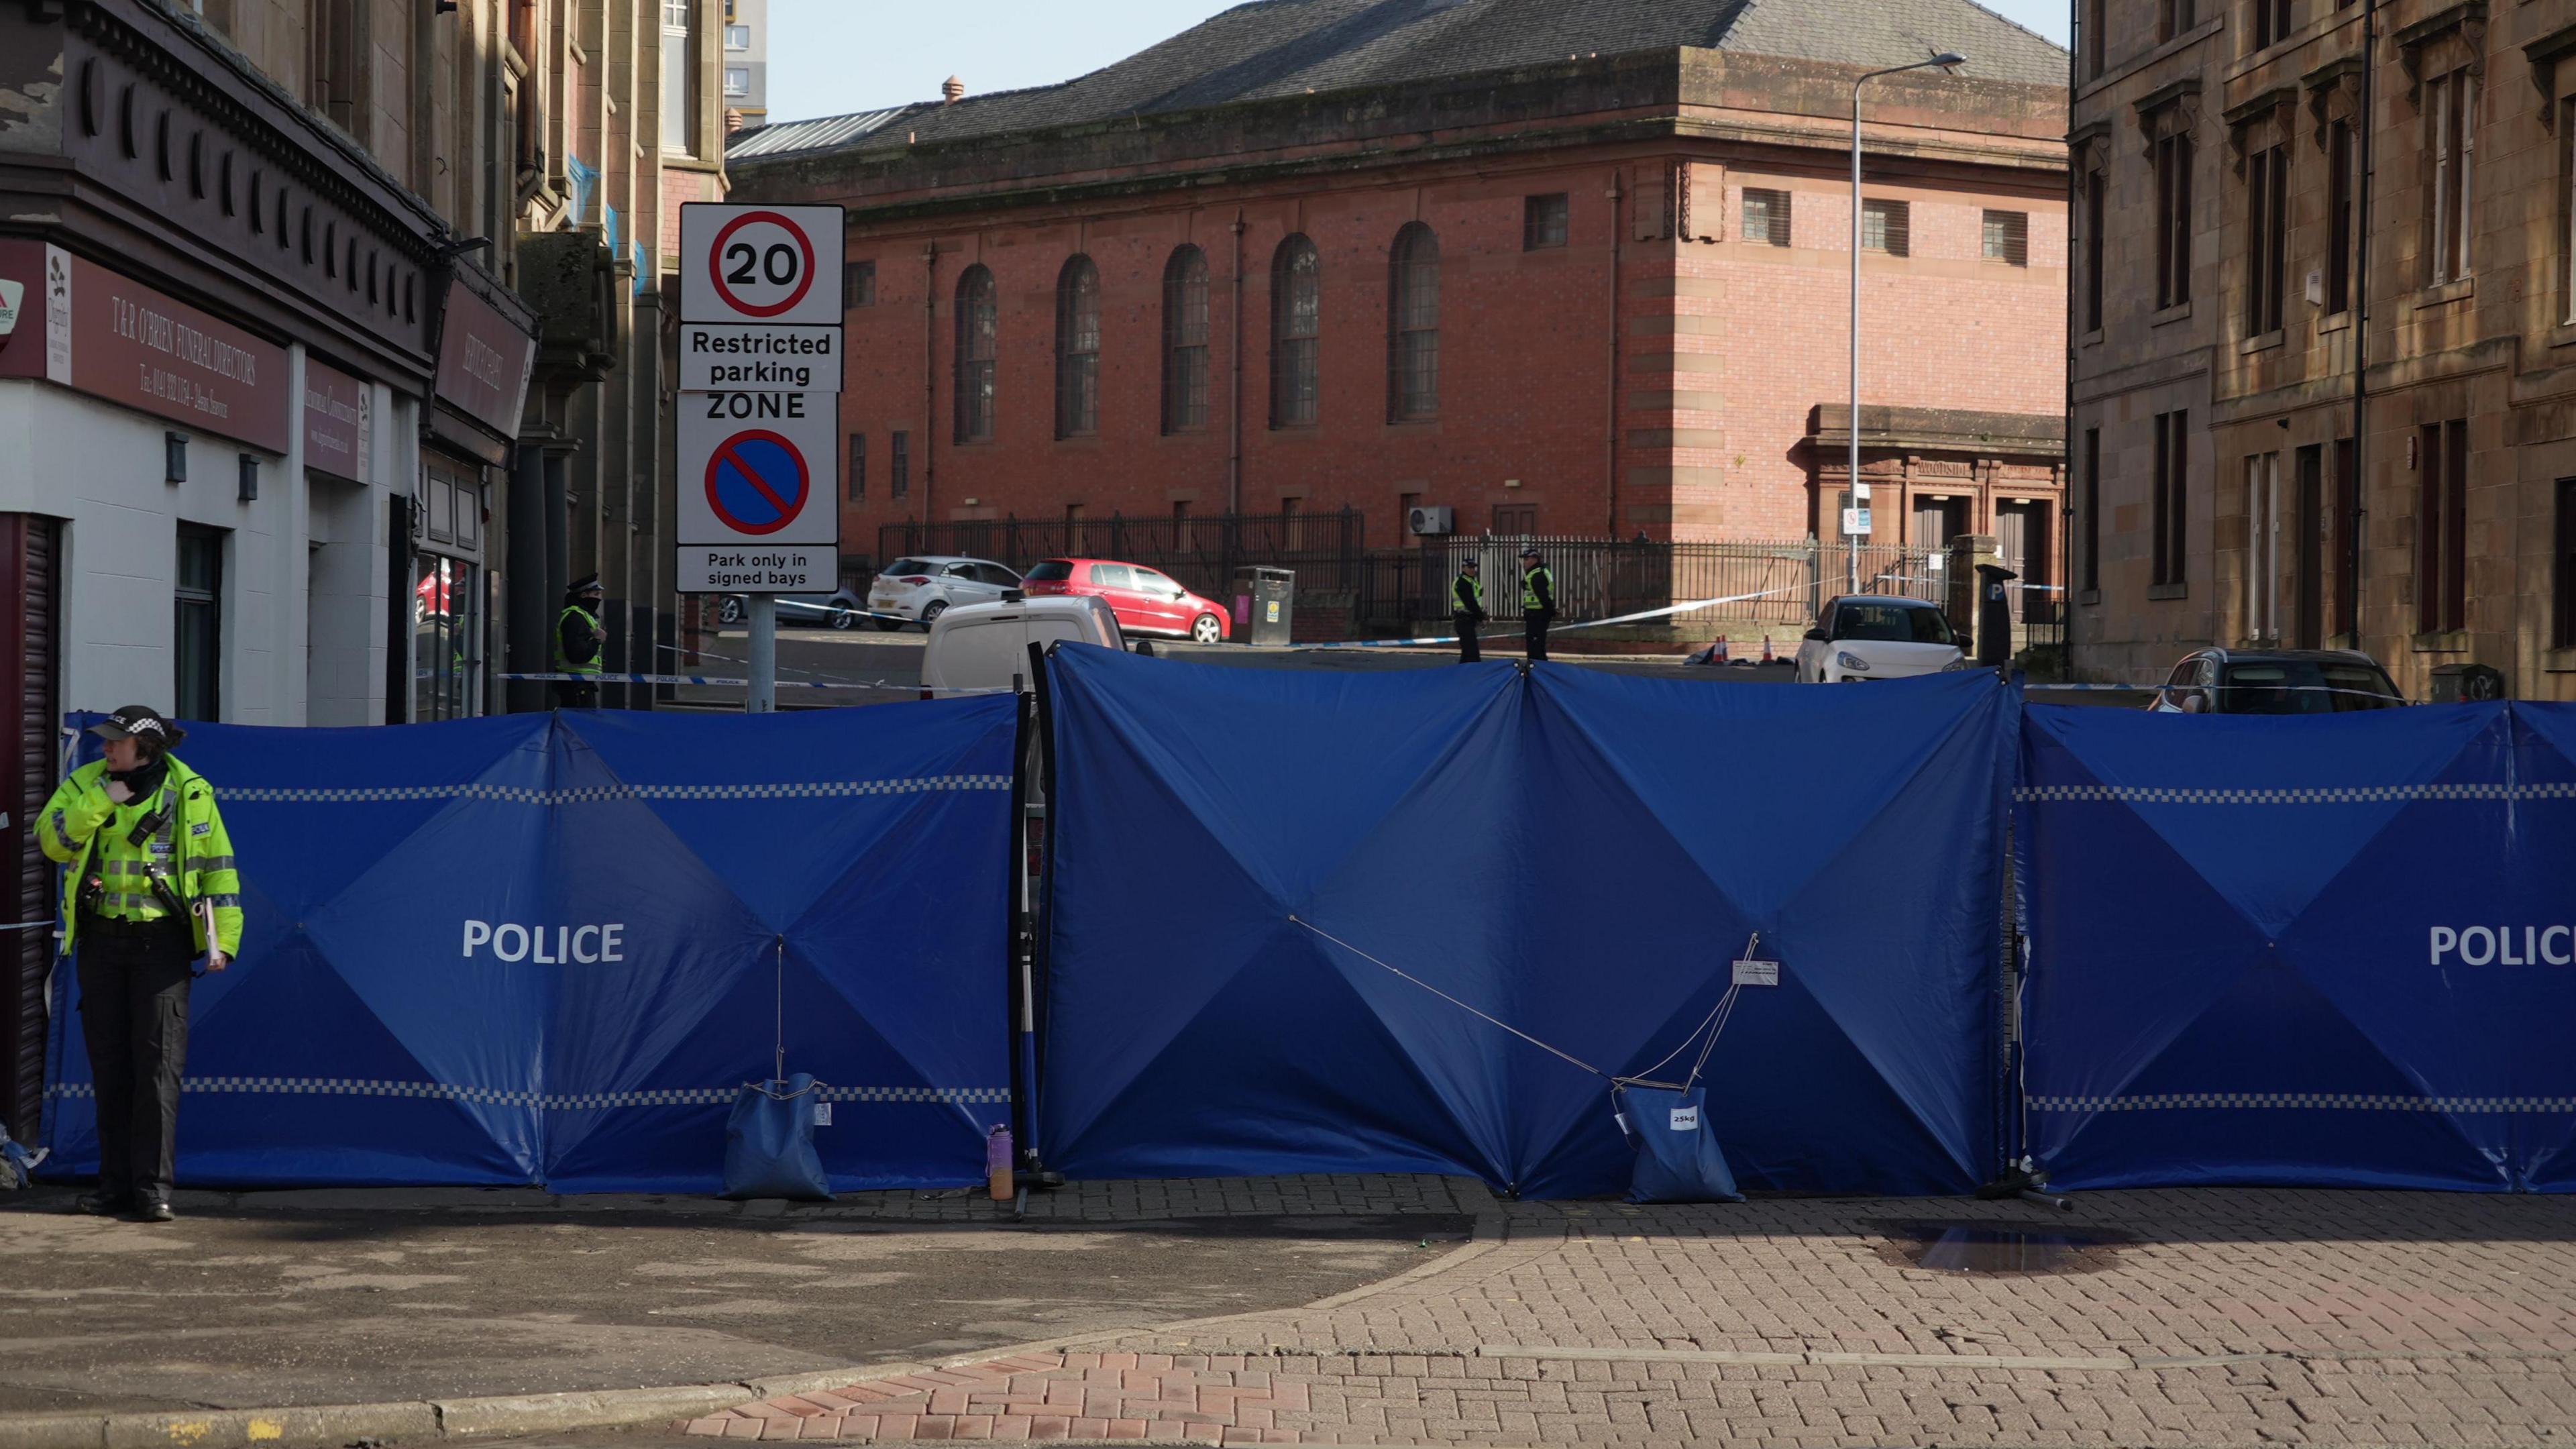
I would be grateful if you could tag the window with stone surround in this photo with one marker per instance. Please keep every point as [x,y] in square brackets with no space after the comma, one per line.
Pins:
[2340,180]
[1185,340]
[2173,17]
[2442,526]
[2007,237]
[2169,497]
[2267,236]
[2450,147]
[1766,216]
[1296,331]
[1413,325]
[1077,349]
[1544,220]
[2274,22]
[2096,198]
[978,326]
[1886,226]
[2173,154]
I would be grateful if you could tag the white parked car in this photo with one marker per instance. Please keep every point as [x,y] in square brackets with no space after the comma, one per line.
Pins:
[1877,636]
[921,589]
[978,647]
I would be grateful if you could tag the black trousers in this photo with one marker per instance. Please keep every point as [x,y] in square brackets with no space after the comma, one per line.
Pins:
[134,1019]
[1534,631]
[569,695]
[1470,649]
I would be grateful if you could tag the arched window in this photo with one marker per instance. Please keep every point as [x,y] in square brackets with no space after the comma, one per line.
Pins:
[1296,324]
[1077,349]
[1413,325]
[978,321]
[1185,340]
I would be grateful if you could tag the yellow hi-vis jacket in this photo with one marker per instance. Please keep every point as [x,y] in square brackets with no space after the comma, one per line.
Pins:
[190,850]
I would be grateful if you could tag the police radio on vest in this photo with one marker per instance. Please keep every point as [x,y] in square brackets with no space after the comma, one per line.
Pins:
[751,405]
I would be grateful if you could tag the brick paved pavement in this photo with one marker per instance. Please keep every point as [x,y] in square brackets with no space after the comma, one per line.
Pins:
[2216,1318]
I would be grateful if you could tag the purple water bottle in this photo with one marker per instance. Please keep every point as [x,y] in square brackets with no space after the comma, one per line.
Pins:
[997,1161]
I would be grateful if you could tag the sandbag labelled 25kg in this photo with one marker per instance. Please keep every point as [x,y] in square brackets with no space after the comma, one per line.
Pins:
[769,1142]
[1677,1154]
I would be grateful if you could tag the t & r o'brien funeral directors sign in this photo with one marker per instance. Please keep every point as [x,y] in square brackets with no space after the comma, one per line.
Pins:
[115,338]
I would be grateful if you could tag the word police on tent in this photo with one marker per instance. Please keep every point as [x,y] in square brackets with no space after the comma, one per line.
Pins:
[582,945]
[2494,946]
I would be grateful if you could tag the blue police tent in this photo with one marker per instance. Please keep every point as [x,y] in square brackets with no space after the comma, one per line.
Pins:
[548,949]
[2299,950]
[1297,919]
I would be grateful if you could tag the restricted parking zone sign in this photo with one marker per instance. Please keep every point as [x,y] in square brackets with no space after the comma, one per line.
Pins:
[760,296]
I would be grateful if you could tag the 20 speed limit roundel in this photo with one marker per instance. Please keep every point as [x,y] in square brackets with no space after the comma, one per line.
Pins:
[762,264]
[757,482]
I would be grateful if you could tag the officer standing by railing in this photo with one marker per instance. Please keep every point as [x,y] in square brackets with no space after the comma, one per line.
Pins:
[152,886]
[1538,603]
[1467,610]
[577,642]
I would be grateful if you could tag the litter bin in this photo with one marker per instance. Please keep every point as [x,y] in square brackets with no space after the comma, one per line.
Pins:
[1265,604]
[2465,683]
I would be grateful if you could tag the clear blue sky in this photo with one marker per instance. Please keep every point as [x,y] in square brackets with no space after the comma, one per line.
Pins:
[831,56]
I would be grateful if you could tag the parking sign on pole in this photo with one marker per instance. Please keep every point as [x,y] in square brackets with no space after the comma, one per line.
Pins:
[759,411]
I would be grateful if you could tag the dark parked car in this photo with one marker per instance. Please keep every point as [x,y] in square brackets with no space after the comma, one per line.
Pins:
[2276,681]
[837,610]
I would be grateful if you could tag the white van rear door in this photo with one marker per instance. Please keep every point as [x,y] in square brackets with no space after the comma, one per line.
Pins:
[978,654]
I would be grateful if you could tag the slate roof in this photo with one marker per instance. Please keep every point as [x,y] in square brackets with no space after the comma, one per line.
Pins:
[1272,48]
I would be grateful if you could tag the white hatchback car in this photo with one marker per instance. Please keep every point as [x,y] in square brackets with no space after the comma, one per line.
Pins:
[920,589]
[1877,636]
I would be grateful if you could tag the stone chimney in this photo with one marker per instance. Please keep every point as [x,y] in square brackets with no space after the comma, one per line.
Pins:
[733,120]
[951,91]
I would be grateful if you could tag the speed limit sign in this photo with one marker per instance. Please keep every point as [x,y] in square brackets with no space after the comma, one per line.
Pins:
[779,265]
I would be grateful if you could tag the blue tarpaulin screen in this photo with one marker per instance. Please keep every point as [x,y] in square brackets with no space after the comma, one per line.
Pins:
[2328,951]
[1574,854]
[549,949]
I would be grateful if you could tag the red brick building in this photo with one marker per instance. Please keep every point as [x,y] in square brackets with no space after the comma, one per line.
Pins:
[1563,269]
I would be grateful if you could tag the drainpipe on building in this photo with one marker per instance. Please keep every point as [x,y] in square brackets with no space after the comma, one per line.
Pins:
[929,382]
[2066,495]
[2361,323]
[1234,403]
[1610,440]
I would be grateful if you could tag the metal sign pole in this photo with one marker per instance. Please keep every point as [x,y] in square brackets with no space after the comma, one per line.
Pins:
[762,614]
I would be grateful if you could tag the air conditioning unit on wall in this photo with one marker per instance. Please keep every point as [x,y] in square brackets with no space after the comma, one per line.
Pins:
[1424,521]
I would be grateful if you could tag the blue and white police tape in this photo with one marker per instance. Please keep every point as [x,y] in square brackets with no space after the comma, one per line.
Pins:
[1562,628]
[722,681]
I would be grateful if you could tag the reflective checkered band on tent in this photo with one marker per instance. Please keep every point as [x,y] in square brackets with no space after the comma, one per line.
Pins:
[2320,795]
[2329,1101]
[593,794]
[548,1102]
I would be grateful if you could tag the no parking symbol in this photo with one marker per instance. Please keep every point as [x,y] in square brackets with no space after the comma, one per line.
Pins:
[756,482]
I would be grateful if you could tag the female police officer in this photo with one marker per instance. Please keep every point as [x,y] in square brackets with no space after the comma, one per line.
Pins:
[151,887]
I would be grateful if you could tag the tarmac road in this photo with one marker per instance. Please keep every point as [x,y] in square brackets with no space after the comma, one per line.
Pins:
[248,1304]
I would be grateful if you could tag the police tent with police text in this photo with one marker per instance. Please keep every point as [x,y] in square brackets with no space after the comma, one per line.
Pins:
[551,949]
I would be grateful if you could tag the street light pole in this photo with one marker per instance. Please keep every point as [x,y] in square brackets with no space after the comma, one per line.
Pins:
[1851,421]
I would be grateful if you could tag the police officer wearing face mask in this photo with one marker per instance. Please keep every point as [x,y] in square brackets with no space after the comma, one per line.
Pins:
[152,887]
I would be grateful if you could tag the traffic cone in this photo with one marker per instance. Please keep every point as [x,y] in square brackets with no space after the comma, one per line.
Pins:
[1721,656]
[1767,656]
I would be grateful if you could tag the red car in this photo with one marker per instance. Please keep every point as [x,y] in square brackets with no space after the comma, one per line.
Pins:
[1146,602]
